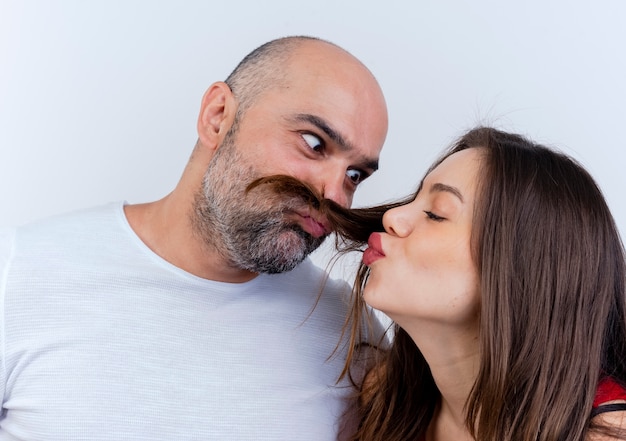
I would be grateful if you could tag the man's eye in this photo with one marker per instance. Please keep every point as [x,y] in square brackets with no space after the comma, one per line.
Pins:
[313,141]
[356,176]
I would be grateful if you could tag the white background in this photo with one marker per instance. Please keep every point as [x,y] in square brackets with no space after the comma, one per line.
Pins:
[98,99]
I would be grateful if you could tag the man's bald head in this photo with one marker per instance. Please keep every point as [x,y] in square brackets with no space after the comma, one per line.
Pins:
[267,67]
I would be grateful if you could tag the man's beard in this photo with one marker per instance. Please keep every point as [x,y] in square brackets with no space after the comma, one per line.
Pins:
[248,227]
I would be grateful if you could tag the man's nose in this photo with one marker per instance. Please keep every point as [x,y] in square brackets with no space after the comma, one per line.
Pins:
[334,188]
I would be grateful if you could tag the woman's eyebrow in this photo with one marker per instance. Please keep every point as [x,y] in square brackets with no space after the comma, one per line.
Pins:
[439,187]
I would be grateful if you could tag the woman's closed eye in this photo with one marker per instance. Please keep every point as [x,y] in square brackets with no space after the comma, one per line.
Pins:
[433,216]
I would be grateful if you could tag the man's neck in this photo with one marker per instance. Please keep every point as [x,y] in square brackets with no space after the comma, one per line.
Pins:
[166,228]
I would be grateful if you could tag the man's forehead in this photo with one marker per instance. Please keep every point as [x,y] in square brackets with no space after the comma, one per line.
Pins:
[323,85]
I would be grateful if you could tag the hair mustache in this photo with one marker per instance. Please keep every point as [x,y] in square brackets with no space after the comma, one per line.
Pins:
[351,225]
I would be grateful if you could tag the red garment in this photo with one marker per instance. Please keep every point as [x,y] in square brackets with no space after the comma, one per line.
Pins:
[608,390]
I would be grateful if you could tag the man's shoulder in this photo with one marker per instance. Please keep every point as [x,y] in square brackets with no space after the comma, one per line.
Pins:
[72,223]
[78,216]
[69,231]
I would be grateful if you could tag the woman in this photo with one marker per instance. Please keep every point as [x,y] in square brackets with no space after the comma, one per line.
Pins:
[505,278]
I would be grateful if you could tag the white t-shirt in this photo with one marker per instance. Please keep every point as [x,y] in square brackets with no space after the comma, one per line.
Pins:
[101,339]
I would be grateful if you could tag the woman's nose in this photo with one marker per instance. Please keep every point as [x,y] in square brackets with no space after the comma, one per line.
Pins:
[397,221]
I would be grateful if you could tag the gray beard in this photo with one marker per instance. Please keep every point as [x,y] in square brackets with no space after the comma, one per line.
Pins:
[268,245]
[248,229]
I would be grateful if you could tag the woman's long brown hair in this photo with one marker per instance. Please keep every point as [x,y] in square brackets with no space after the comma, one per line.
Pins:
[553,306]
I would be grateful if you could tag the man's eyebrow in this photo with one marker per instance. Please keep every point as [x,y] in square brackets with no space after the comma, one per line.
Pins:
[436,187]
[335,136]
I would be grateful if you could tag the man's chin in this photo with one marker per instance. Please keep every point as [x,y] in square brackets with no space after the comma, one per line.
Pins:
[290,248]
[308,242]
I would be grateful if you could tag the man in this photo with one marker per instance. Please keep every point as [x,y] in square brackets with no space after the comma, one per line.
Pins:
[197,316]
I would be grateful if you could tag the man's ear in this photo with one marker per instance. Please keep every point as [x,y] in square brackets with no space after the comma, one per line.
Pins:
[217,114]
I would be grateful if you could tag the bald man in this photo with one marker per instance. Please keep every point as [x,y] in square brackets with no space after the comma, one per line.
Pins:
[199,316]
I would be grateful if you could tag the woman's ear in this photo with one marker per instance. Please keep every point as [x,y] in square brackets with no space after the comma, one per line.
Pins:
[217,114]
